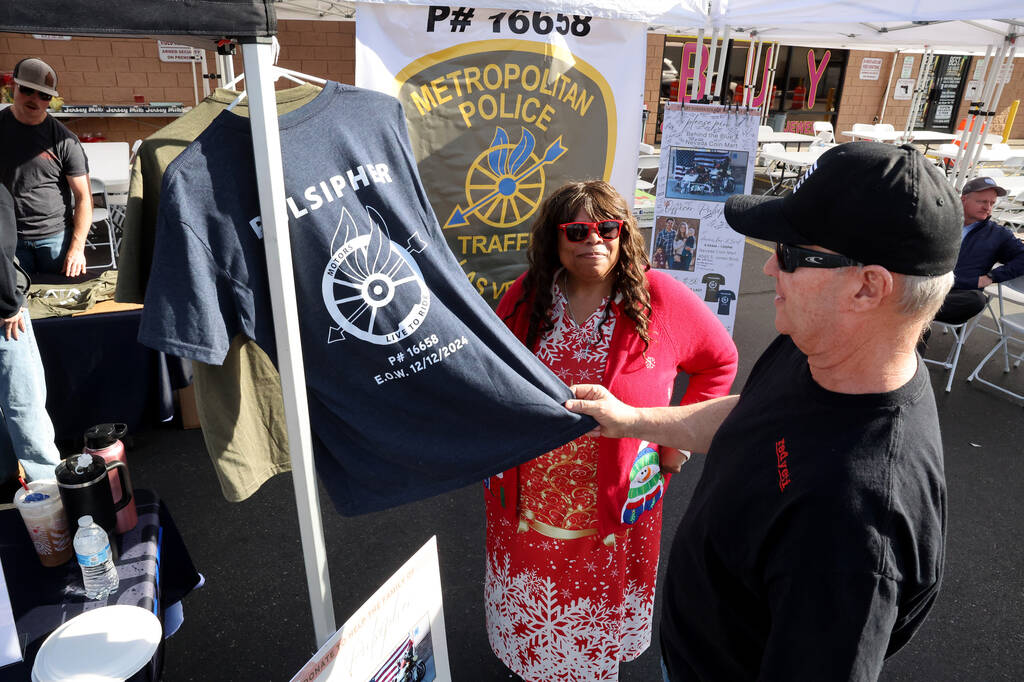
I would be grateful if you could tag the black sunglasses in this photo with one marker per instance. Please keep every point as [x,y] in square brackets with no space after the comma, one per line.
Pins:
[28,92]
[792,257]
[606,229]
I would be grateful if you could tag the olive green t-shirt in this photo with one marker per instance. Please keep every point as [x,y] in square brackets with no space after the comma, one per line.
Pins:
[239,402]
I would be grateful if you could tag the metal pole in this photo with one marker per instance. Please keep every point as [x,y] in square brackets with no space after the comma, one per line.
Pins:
[767,104]
[711,65]
[746,69]
[968,154]
[920,91]
[206,81]
[697,65]
[888,84]
[721,63]
[266,144]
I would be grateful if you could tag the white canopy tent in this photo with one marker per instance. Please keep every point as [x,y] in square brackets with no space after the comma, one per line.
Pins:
[864,23]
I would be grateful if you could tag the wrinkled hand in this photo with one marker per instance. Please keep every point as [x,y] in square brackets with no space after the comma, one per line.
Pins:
[14,324]
[613,416]
[74,262]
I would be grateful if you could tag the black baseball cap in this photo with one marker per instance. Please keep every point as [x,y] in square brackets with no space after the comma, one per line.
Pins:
[876,203]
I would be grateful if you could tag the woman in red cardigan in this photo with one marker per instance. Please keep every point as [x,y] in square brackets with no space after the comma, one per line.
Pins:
[573,536]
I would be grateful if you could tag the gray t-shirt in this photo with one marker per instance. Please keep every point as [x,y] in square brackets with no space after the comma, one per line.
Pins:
[415,387]
[34,166]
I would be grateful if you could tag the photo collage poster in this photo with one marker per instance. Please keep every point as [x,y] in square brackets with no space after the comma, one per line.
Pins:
[707,155]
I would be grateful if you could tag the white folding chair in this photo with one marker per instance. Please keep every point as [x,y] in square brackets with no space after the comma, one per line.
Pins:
[860,129]
[645,178]
[1011,330]
[101,219]
[776,171]
[823,131]
[960,333]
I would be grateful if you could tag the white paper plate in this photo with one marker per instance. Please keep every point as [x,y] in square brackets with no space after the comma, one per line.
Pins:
[105,644]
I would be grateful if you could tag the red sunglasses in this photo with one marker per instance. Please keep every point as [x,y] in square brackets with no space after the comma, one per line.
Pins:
[606,229]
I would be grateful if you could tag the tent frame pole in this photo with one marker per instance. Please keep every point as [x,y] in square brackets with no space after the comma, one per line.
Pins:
[888,84]
[722,54]
[258,62]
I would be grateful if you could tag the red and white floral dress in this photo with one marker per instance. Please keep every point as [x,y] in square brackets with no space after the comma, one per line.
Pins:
[562,603]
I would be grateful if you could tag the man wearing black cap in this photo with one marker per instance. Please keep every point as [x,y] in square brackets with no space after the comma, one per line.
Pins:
[813,546]
[983,245]
[43,165]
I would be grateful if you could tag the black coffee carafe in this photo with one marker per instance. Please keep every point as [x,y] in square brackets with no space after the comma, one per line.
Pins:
[85,490]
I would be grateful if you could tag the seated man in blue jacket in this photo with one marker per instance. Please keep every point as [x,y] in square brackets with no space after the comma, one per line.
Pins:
[984,245]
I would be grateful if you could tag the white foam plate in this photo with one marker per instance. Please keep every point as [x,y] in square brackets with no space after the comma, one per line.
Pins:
[105,644]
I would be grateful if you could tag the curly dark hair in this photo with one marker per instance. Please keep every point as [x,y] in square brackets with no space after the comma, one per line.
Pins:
[600,200]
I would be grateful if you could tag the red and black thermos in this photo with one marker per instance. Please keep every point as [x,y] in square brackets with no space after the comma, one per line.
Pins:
[105,440]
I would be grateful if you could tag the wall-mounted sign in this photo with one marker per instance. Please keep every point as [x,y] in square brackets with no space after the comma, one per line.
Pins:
[972,89]
[904,89]
[870,67]
[47,36]
[172,52]
[908,67]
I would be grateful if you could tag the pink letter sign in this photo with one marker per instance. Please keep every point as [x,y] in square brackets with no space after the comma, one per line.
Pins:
[689,52]
[815,74]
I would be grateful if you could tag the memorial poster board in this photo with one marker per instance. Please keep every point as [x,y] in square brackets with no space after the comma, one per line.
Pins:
[707,155]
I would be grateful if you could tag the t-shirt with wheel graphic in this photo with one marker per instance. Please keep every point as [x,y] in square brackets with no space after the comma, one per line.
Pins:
[713,280]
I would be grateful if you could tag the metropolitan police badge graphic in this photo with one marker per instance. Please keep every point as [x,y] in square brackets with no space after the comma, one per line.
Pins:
[372,286]
[496,126]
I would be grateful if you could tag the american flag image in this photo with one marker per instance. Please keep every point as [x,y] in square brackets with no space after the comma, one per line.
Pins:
[393,667]
[685,159]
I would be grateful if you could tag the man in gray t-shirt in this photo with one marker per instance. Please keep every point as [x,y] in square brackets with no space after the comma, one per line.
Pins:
[44,167]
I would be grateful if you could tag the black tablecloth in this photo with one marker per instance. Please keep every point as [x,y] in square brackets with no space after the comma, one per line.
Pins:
[154,569]
[97,372]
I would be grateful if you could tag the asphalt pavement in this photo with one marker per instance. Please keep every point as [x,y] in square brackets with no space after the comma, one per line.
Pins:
[251,621]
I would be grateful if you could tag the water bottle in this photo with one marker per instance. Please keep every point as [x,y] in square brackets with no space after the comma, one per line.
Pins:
[92,547]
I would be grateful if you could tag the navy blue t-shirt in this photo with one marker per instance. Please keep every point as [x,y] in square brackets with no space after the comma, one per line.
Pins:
[415,387]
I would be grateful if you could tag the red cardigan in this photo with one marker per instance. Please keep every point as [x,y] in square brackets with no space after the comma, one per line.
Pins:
[685,336]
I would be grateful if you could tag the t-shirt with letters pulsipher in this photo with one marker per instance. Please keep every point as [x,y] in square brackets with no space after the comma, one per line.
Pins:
[415,387]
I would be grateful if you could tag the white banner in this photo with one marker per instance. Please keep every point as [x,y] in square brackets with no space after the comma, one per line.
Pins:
[503,107]
[707,155]
[398,634]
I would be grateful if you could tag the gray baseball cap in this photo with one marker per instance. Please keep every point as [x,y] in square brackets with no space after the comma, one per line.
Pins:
[981,182]
[36,74]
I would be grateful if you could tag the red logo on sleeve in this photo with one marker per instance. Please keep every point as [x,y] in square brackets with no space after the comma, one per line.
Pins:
[781,456]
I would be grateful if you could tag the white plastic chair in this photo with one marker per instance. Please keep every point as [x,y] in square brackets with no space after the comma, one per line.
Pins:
[645,179]
[824,132]
[764,130]
[960,333]
[101,217]
[884,128]
[1011,330]
[860,129]
[775,170]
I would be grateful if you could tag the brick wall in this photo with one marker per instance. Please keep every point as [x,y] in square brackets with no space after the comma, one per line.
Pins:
[1013,90]
[116,70]
[862,100]
[652,82]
